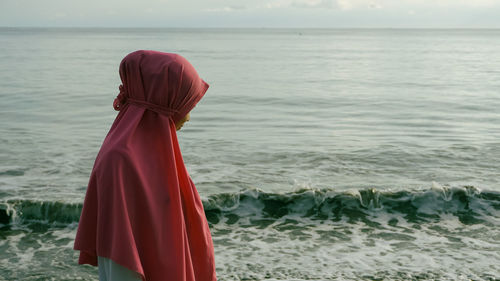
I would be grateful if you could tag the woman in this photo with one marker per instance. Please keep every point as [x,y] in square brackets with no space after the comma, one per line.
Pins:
[142,215]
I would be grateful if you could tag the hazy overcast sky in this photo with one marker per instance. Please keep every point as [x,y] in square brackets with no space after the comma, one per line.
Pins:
[254,13]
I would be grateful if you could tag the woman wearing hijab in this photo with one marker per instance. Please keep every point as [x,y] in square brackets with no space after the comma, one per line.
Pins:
[142,217]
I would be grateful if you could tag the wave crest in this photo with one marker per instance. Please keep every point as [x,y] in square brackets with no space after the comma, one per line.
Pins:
[468,203]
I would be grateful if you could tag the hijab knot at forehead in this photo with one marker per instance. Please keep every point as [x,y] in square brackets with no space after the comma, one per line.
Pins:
[120,100]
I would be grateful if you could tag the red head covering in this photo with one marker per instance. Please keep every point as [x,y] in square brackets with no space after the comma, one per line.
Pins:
[142,209]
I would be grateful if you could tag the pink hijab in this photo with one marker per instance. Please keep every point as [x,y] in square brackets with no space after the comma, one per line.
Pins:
[141,208]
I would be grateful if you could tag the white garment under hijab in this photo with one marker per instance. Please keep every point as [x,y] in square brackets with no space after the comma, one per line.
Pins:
[111,271]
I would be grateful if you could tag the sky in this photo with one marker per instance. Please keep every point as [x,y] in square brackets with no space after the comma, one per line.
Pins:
[252,13]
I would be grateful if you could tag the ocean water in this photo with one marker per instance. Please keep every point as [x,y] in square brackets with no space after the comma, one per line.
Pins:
[329,154]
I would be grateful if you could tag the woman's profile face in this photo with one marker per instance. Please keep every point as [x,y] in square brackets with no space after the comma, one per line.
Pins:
[180,123]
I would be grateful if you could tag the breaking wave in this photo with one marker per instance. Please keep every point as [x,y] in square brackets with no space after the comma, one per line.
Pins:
[468,204]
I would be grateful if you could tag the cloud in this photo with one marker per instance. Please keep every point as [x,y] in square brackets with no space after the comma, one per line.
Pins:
[355,4]
[276,4]
[376,4]
[226,9]
[416,3]
[328,4]
[257,13]
[58,16]
[313,3]
[466,3]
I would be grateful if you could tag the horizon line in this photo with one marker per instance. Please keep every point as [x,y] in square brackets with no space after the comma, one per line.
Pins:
[239,27]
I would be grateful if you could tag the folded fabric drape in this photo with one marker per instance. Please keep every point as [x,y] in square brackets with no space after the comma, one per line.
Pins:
[142,209]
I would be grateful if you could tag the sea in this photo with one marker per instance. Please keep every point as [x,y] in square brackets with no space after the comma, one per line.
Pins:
[319,154]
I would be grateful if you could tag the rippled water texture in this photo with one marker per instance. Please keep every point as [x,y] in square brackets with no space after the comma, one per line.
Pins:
[319,154]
